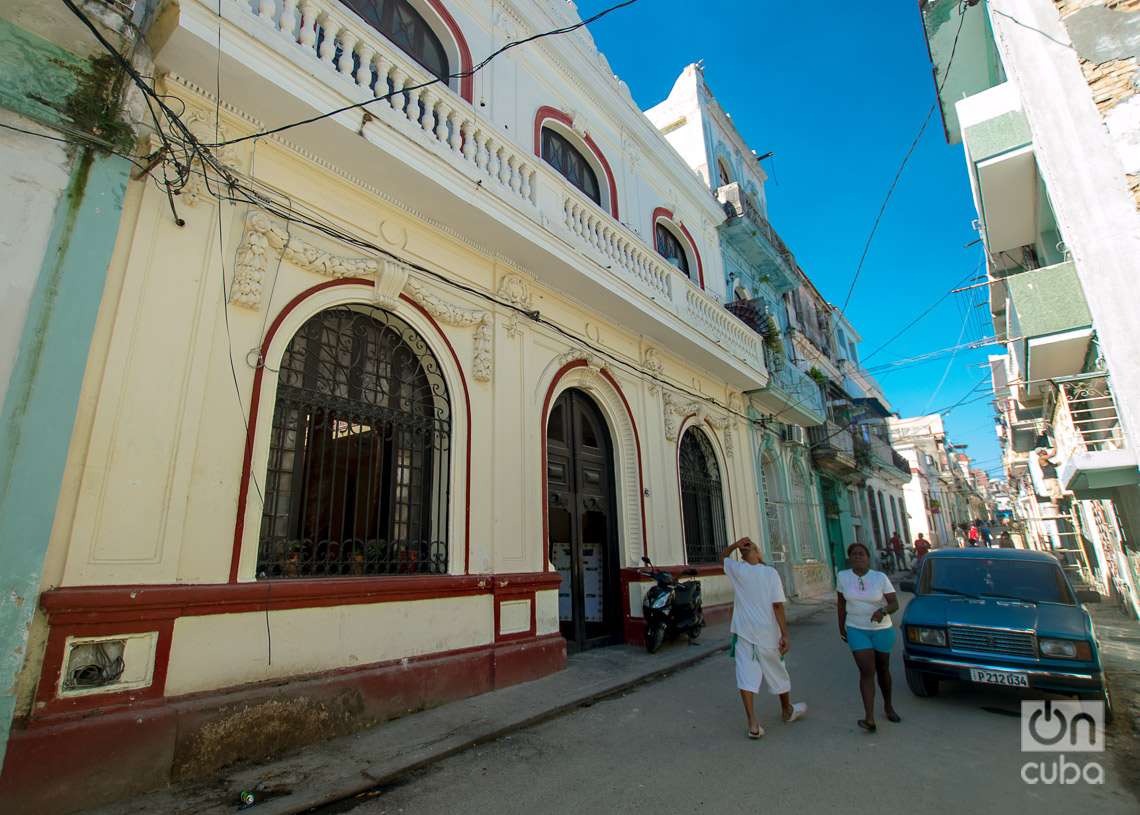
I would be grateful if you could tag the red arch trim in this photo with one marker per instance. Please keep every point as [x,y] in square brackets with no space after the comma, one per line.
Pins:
[250,433]
[662,213]
[467,83]
[569,366]
[546,112]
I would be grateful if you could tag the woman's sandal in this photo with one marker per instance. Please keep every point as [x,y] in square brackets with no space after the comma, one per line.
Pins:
[757,733]
[894,717]
[868,726]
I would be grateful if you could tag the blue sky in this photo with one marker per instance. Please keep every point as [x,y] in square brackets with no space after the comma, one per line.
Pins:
[839,91]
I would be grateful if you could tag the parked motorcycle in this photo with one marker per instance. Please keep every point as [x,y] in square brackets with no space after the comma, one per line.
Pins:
[670,607]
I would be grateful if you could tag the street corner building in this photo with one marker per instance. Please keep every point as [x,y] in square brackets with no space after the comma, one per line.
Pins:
[320,419]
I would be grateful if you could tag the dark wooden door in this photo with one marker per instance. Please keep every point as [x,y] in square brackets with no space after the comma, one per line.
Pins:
[582,521]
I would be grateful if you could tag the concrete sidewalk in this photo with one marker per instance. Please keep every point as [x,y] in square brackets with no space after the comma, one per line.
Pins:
[343,767]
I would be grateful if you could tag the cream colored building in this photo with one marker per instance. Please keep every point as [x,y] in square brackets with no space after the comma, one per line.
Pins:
[403,436]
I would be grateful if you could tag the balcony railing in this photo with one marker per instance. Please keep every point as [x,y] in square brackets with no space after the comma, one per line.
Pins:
[833,448]
[1086,420]
[334,46]
[334,41]
[749,232]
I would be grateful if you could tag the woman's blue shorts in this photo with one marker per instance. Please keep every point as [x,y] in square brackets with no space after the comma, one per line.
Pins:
[863,639]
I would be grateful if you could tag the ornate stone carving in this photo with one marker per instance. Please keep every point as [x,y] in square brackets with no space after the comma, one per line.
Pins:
[515,291]
[389,284]
[676,409]
[483,365]
[263,238]
[651,363]
[592,360]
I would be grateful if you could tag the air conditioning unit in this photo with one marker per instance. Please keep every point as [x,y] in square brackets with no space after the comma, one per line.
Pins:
[795,434]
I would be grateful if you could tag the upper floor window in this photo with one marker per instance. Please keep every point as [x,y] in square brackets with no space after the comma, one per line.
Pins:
[722,171]
[670,248]
[558,152]
[402,24]
[357,481]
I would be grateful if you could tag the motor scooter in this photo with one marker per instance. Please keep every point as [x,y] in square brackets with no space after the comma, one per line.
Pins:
[670,607]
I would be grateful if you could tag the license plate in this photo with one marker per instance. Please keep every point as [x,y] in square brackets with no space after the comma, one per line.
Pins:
[1013,680]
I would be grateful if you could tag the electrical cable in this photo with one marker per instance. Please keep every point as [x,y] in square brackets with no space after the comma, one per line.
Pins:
[906,158]
[435,81]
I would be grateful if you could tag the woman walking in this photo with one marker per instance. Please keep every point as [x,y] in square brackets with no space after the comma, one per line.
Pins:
[866,601]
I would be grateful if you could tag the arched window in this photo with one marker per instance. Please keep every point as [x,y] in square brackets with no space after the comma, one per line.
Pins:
[773,498]
[558,152]
[357,482]
[702,502]
[722,172]
[403,25]
[671,248]
[803,510]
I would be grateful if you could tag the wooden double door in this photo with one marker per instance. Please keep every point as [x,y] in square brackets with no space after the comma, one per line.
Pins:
[582,522]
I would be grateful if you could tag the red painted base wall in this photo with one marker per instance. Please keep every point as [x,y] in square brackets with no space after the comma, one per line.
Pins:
[67,763]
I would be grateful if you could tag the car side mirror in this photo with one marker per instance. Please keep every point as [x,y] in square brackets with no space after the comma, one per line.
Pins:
[907,585]
[1088,595]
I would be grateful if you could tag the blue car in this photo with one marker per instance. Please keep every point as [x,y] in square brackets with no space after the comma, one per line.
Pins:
[1005,617]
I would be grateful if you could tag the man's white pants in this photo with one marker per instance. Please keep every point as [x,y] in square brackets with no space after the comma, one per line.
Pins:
[755,664]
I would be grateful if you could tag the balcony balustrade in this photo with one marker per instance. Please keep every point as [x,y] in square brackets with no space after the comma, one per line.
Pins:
[749,233]
[1091,450]
[833,450]
[317,55]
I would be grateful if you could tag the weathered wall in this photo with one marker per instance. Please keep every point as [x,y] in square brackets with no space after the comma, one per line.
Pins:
[1106,37]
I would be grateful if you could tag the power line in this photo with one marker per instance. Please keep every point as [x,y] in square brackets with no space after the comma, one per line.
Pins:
[906,158]
[434,81]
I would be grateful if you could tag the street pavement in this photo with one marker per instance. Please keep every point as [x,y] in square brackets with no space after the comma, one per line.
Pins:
[680,745]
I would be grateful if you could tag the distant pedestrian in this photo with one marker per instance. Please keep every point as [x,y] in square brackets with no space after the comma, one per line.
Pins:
[973,536]
[987,535]
[866,600]
[899,552]
[759,632]
[1005,540]
[921,548]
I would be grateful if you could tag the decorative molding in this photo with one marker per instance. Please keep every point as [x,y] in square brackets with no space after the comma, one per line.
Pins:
[651,363]
[514,289]
[389,283]
[676,410]
[592,360]
[725,427]
[483,365]
[261,238]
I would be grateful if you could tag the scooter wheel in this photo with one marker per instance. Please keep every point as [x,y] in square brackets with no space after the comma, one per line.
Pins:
[654,637]
[694,633]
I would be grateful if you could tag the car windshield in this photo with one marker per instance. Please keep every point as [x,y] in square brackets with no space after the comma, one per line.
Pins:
[984,577]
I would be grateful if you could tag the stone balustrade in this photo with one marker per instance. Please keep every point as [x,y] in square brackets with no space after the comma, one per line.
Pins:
[337,42]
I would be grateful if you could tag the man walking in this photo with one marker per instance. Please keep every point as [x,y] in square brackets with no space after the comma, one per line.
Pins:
[898,551]
[921,547]
[760,632]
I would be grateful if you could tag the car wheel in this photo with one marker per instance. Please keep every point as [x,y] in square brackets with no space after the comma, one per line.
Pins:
[654,637]
[921,684]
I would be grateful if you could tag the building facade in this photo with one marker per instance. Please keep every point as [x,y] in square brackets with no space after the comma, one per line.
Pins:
[381,410]
[760,272]
[1042,95]
[60,129]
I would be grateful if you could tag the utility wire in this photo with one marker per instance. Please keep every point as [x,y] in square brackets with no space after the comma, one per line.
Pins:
[434,81]
[906,158]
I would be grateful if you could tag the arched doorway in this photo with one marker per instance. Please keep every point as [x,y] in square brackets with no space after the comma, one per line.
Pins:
[773,501]
[582,519]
